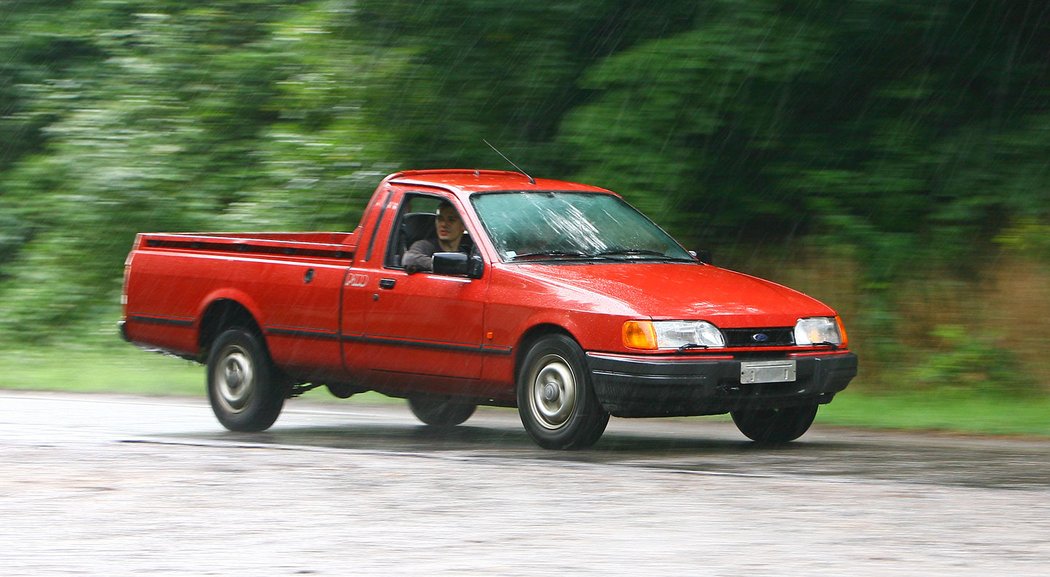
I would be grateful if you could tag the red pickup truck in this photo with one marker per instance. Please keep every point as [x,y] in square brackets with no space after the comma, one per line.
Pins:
[560,299]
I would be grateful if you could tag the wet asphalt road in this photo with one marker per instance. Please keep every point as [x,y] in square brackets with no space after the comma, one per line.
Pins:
[104,485]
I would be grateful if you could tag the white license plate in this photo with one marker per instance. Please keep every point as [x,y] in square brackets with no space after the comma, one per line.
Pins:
[767,372]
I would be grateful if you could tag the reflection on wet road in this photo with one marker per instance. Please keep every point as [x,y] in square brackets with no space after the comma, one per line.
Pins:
[695,445]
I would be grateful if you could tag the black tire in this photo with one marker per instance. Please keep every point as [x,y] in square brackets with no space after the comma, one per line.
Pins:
[774,426]
[244,388]
[342,390]
[440,411]
[556,401]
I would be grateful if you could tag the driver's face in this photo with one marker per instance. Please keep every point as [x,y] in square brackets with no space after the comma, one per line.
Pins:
[449,225]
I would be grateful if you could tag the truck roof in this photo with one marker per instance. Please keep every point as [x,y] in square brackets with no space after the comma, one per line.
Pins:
[476,180]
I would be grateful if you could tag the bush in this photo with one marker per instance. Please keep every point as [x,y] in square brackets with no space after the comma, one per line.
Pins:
[972,362]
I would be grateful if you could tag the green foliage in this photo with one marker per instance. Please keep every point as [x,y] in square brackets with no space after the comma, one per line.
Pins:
[501,71]
[684,124]
[972,363]
[178,119]
[1028,237]
[781,119]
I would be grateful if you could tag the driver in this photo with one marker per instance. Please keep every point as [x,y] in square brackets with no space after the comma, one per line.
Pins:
[449,227]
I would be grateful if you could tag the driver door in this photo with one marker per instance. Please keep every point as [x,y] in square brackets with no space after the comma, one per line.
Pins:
[419,324]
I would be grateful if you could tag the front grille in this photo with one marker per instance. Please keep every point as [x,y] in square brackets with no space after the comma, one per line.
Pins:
[775,337]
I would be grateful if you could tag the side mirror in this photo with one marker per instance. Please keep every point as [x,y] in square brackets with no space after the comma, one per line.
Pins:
[702,255]
[458,264]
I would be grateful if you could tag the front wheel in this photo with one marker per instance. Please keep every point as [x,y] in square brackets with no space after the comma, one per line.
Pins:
[243,386]
[775,425]
[440,412]
[556,401]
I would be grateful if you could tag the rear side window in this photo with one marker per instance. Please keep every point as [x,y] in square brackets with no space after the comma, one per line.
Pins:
[415,221]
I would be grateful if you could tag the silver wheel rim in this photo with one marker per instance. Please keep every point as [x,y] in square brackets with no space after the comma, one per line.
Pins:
[553,395]
[234,379]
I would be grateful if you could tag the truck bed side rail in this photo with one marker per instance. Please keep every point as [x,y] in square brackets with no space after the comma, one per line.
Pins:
[316,245]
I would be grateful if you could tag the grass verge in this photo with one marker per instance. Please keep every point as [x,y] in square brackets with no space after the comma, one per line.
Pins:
[127,370]
[950,411]
[107,369]
[117,369]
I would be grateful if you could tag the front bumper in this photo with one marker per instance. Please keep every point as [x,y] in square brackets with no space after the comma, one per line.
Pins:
[638,386]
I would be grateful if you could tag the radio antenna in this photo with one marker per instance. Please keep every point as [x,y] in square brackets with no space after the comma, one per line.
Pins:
[531,180]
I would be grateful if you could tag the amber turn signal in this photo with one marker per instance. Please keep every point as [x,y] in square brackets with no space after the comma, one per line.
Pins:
[842,332]
[639,335]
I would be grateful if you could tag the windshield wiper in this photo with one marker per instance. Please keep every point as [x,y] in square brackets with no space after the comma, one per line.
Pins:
[552,254]
[637,252]
[627,252]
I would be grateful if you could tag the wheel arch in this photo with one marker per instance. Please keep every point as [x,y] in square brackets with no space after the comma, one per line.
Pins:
[531,336]
[221,314]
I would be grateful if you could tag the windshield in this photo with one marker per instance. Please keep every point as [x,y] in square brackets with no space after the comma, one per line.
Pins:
[530,226]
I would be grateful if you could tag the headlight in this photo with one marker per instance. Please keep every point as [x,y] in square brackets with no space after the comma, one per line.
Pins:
[820,331]
[654,335]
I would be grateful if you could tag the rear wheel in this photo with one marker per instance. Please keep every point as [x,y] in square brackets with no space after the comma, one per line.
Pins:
[343,390]
[244,389]
[775,425]
[440,411]
[556,401]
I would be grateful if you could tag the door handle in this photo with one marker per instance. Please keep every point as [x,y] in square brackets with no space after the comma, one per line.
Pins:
[387,283]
